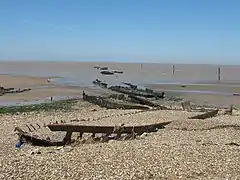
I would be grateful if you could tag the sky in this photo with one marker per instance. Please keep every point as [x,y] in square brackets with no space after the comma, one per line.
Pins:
[165,31]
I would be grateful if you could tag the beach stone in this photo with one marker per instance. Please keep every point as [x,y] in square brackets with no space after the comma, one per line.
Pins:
[111,141]
[35,151]
[144,135]
[67,149]
[59,148]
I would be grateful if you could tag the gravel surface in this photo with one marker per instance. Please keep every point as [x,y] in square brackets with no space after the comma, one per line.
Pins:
[186,149]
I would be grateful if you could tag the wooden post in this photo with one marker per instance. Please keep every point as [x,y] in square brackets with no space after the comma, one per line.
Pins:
[67,139]
[173,69]
[219,74]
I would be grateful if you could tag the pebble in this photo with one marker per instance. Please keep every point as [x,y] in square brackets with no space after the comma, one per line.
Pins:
[181,150]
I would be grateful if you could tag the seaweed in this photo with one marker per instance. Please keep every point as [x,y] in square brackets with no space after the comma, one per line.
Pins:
[64,105]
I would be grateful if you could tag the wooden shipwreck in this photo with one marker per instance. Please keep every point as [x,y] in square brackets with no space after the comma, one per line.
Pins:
[129,91]
[103,102]
[105,131]
[134,91]
[12,90]
[107,72]
[36,140]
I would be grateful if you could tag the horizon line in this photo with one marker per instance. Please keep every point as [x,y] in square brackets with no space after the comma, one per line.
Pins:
[119,62]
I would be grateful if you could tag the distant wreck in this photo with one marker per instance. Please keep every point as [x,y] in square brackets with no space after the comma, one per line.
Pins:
[107,72]
[104,68]
[109,104]
[117,72]
[12,90]
[132,90]
[137,92]
[96,67]
[100,83]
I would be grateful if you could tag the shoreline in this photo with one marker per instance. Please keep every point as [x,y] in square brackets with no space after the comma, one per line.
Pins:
[43,89]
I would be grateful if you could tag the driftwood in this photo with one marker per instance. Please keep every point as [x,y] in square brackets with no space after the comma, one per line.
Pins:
[206,115]
[102,102]
[35,140]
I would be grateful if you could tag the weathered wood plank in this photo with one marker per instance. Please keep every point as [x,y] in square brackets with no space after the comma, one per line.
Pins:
[107,129]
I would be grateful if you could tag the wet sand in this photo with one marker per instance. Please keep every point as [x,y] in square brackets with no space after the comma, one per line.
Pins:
[42,90]
[8,81]
[76,76]
[187,149]
[219,95]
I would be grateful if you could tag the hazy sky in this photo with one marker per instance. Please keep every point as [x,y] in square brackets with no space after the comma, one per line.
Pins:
[181,31]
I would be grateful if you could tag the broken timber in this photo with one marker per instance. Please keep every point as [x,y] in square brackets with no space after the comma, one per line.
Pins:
[146,102]
[35,140]
[70,128]
[206,115]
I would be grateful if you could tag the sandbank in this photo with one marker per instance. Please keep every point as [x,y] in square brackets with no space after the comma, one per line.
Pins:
[22,81]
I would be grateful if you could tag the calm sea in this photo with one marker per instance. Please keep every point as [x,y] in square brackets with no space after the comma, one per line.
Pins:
[82,74]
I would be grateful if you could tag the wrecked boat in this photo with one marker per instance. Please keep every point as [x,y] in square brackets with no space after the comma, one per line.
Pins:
[130,85]
[12,90]
[107,72]
[25,137]
[100,83]
[96,67]
[106,132]
[136,92]
[104,68]
[107,103]
[145,90]
[117,72]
